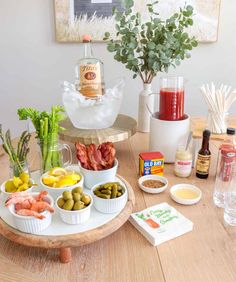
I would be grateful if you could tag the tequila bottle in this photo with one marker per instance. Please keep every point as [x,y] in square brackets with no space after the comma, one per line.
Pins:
[89,72]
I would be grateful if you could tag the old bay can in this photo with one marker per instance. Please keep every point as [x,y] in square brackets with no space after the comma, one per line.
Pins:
[151,163]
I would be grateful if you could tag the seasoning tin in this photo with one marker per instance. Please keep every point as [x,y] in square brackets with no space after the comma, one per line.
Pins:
[151,163]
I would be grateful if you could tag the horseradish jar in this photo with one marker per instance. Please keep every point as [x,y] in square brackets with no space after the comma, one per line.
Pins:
[183,162]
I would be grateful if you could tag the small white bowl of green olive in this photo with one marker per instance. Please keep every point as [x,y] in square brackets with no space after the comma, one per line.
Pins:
[109,197]
[74,206]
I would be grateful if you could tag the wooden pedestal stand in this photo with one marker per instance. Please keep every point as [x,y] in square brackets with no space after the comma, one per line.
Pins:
[123,128]
[66,242]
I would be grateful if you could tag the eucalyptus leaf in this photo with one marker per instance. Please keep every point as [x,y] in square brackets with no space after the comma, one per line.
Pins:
[152,46]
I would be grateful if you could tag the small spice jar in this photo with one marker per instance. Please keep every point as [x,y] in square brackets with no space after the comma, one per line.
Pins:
[183,162]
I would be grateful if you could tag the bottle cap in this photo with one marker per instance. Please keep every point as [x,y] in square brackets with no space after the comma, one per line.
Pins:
[230,131]
[87,38]
[206,133]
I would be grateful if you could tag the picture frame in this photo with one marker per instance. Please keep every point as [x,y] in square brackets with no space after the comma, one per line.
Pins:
[74,18]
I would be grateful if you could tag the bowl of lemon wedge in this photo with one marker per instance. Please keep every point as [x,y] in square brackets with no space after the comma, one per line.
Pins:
[59,179]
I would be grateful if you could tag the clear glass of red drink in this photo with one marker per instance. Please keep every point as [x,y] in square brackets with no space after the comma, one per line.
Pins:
[171,105]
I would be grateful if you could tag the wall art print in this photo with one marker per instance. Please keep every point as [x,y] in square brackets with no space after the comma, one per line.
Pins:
[74,18]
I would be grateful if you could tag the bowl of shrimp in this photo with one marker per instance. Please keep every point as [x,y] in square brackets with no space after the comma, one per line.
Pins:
[32,212]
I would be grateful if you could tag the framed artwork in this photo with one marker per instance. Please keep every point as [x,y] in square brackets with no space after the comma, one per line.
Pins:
[74,18]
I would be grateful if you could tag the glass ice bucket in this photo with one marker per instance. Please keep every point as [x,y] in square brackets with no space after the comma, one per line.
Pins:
[93,113]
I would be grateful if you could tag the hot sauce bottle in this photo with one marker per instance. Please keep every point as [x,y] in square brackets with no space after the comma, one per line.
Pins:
[204,157]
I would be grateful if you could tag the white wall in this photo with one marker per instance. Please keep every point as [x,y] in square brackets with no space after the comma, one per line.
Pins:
[32,64]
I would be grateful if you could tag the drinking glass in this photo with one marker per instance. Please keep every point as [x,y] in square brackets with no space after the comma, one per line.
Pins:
[51,154]
[230,204]
[224,176]
[17,167]
[171,105]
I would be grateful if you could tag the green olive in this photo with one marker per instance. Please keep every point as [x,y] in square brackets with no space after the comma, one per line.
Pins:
[76,197]
[78,205]
[77,190]
[67,195]
[86,199]
[60,202]
[68,205]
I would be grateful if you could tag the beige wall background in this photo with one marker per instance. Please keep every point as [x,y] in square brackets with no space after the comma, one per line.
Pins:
[32,64]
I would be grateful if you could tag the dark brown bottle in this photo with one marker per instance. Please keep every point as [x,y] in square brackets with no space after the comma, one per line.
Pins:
[204,157]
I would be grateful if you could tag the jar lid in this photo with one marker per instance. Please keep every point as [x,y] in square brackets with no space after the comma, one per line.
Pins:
[230,131]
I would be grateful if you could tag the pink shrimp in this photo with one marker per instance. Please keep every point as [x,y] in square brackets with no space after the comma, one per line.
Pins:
[19,194]
[24,205]
[41,207]
[30,213]
[16,200]
[41,195]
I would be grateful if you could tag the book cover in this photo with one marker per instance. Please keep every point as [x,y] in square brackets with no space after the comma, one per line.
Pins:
[160,223]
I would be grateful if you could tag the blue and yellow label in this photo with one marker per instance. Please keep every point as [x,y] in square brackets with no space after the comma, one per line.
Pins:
[152,166]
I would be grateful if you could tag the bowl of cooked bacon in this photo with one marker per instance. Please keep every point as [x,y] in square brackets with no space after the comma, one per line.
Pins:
[97,163]
[32,212]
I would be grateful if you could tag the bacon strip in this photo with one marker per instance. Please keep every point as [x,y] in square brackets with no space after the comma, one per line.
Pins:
[96,158]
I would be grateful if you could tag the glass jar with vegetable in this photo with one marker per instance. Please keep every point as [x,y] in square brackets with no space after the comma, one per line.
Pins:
[18,155]
[47,127]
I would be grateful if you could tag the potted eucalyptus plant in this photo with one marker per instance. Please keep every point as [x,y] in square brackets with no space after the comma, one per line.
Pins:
[147,48]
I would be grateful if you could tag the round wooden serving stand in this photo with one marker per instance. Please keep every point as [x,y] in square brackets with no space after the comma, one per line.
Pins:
[64,243]
[123,128]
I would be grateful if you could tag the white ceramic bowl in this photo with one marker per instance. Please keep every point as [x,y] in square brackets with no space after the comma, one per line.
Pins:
[181,200]
[77,216]
[152,177]
[5,194]
[56,192]
[109,205]
[30,224]
[92,177]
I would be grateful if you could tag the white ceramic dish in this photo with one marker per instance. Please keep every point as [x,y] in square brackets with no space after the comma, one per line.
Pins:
[77,216]
[6,194]
[181,200]
[152,177]
[92,177]
[56,192]
[57,226]
[30,224]
[109,205]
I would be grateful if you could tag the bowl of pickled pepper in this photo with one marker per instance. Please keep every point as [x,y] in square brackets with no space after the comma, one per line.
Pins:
[109,197]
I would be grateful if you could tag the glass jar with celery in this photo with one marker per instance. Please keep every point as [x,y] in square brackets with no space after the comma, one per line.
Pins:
[47,127]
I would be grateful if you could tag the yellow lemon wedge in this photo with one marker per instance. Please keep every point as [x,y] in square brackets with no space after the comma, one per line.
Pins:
[57,171]
[75,176]
[49,180]
[65,181]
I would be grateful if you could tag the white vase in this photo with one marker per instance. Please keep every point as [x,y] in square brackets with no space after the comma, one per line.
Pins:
[146,104]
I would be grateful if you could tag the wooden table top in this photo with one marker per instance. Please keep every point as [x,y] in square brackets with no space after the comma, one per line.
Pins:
[198,124]
[208,253]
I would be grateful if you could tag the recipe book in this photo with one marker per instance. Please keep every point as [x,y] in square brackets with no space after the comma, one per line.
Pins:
[160,223]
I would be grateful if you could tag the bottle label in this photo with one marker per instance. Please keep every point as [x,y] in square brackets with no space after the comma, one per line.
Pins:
[183,167]
[203,164]
[227,165]
[90,80]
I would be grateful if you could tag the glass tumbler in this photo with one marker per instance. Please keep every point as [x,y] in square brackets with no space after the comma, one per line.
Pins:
[230,204]
[171,106]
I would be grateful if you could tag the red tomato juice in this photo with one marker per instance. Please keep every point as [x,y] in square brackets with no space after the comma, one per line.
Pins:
[171,104]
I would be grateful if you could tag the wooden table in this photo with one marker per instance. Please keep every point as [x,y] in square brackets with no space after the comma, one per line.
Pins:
[208,253]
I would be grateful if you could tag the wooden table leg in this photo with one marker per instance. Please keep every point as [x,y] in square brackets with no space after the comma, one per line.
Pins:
[65,255]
